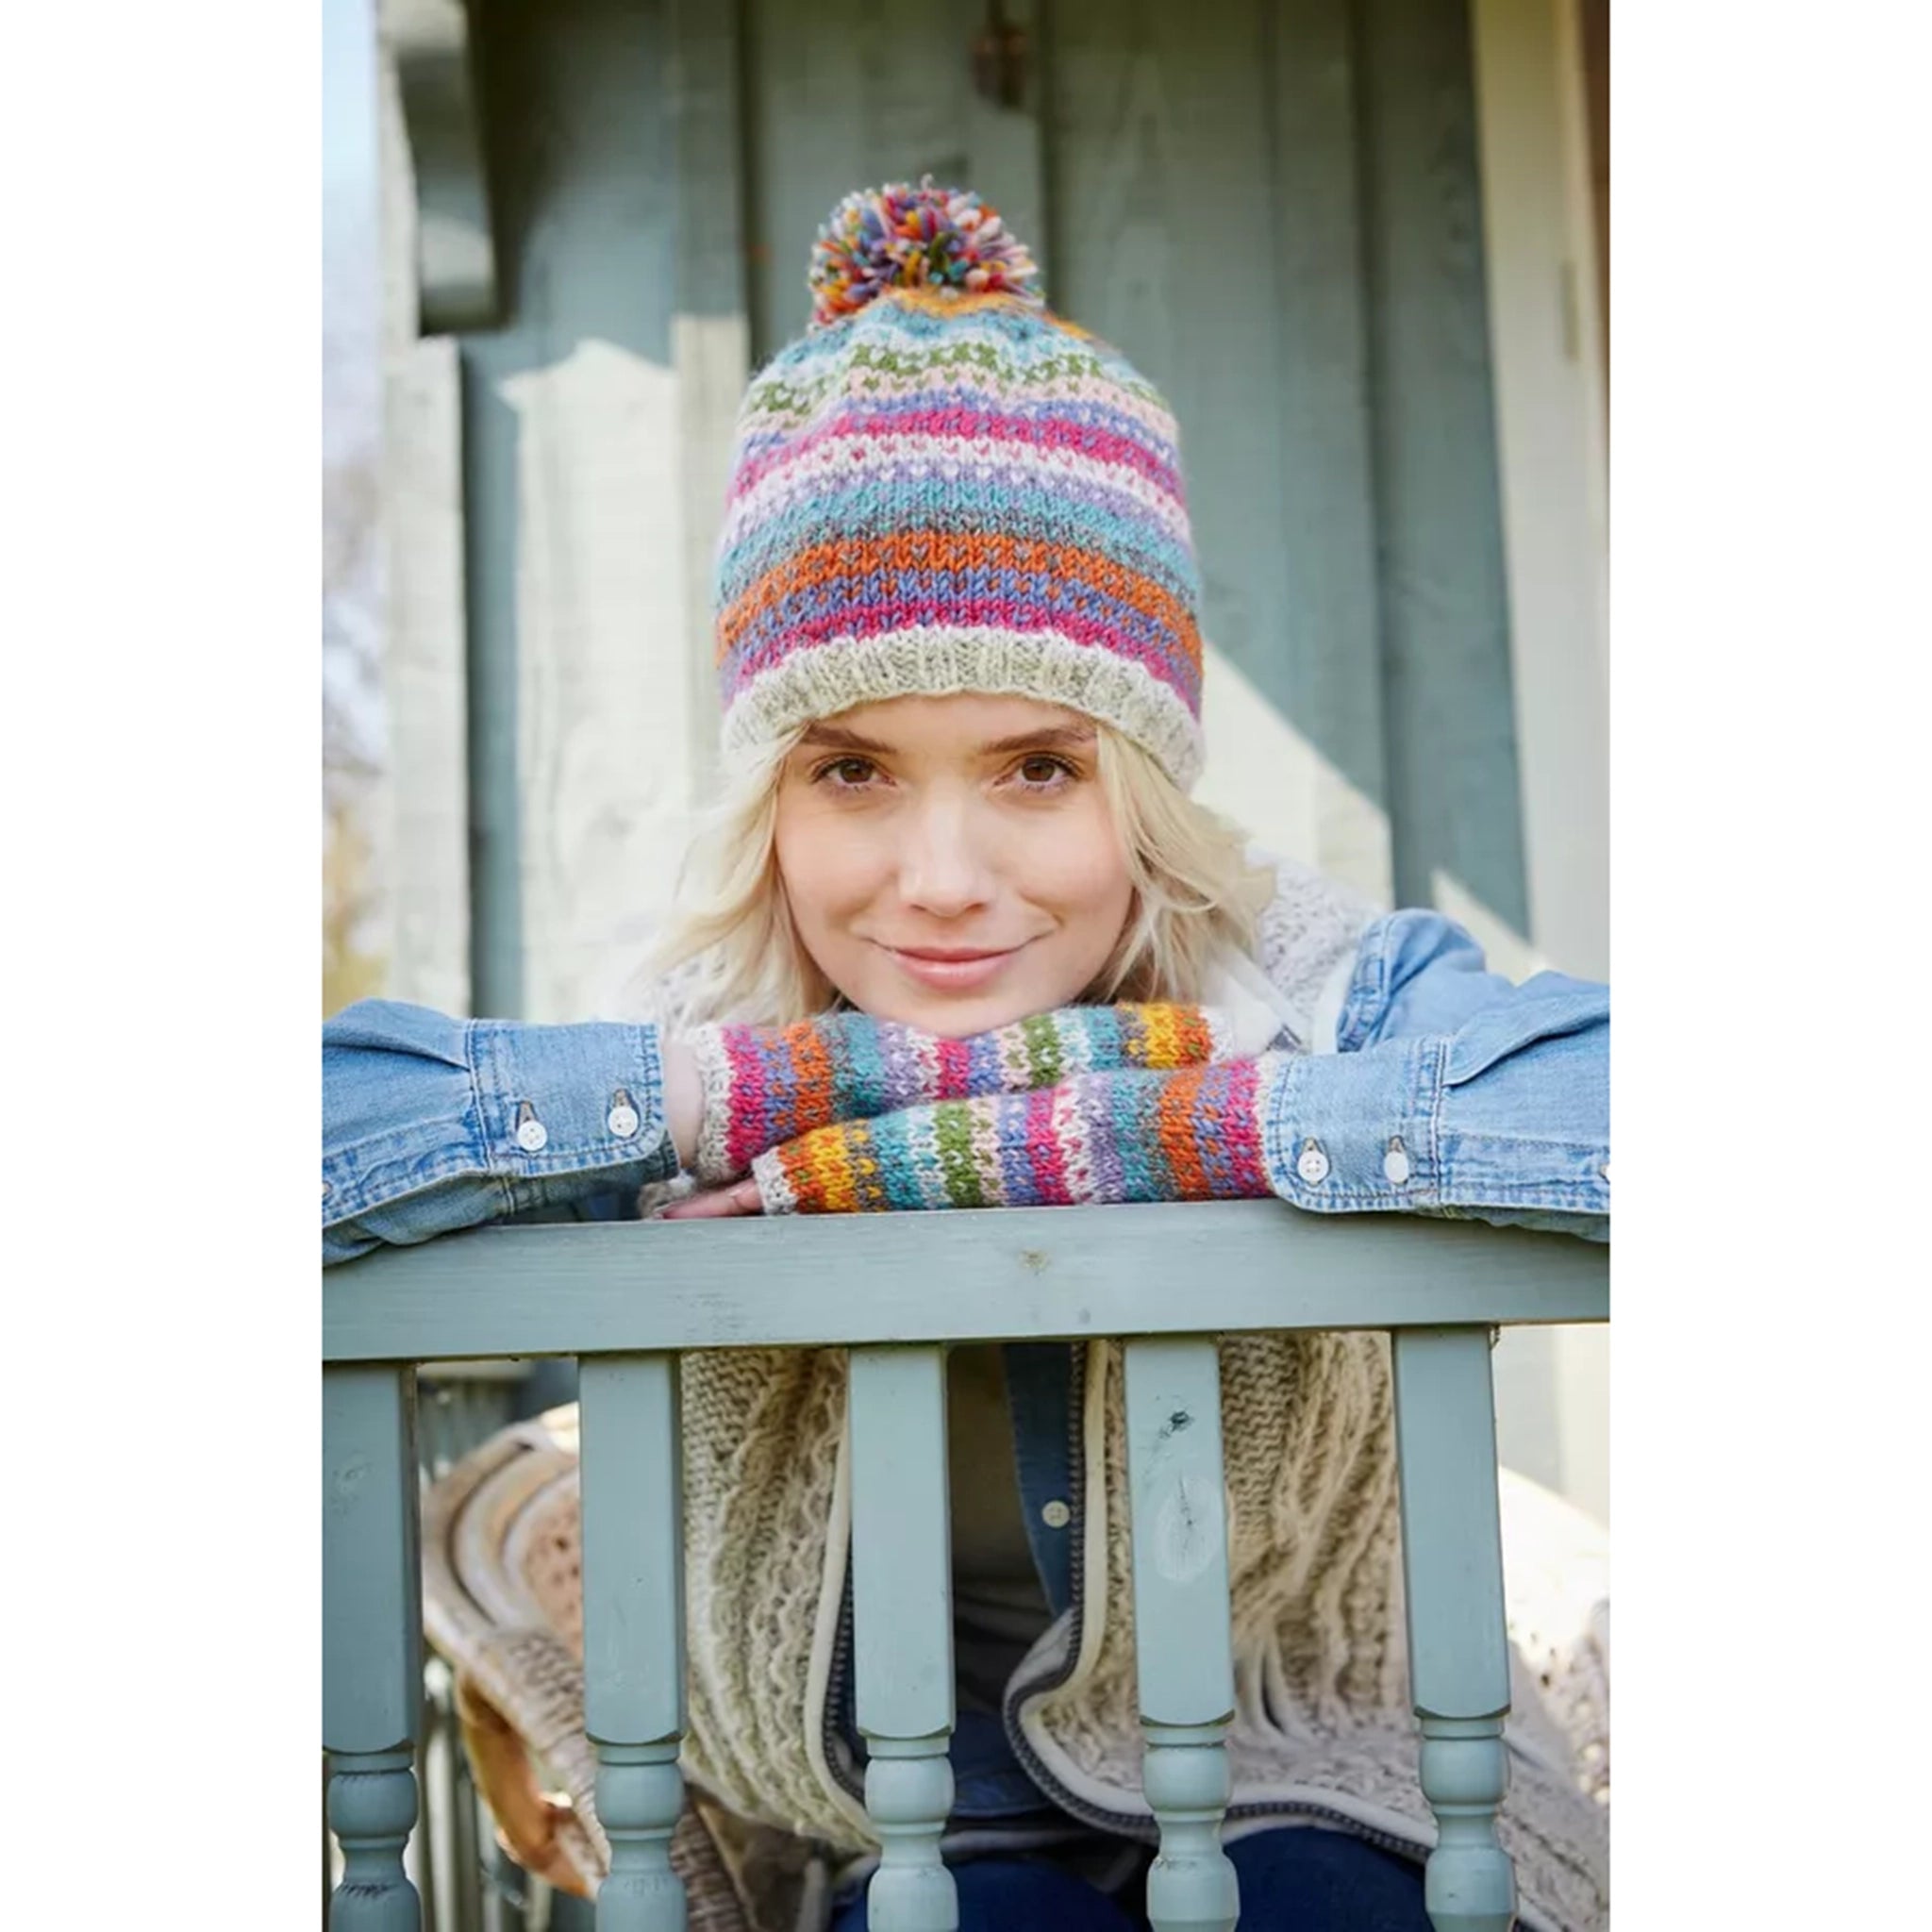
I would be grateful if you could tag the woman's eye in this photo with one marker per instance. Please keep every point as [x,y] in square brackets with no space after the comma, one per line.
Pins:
[1042,771]
[847,772]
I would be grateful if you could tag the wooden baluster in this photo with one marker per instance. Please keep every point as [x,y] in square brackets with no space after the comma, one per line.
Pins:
[1181,1637]
[372,1671]
[1452,1555]
[631,1473]
[1181,1626]
[903,1623]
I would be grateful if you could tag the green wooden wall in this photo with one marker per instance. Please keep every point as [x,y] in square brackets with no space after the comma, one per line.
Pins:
[1272,206]
[583,187]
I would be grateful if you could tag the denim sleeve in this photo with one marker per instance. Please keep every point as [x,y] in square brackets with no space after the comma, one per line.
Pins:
[1451,1090]
[430,1124]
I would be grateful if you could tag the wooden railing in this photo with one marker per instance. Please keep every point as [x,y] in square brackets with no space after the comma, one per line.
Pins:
[895,1289]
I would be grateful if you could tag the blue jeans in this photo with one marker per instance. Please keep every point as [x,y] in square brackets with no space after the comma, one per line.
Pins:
[1296,1879]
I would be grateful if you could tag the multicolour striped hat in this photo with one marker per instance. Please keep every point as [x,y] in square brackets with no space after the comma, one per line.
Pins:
[946,487]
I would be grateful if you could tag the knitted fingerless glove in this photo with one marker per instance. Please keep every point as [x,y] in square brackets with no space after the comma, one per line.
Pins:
[766,1086]
[1112,1137]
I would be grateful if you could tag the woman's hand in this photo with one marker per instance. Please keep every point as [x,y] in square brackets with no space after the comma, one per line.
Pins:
[741,1197]
[684,1099]
[684,1112]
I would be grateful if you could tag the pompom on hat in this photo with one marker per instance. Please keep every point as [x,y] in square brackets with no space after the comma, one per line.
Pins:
[915,237]
[944,487]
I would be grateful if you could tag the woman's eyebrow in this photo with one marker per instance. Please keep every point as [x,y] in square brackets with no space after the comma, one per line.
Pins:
[836,738]
[1050,737]
[1055,738]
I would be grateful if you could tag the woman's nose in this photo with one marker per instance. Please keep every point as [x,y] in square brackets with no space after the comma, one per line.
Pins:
[942,869]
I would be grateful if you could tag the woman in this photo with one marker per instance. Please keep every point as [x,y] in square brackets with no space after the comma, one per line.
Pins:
[958,937]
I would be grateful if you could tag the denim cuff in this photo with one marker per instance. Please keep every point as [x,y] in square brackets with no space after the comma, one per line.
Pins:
[1355,1132]
[1508,1117]
[559,1103]
[432,1124]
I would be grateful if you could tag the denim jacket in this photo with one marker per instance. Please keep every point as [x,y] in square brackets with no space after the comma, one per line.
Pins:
[1434,1085]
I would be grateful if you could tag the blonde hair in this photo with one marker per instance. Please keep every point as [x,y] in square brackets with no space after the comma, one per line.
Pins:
[1196,896]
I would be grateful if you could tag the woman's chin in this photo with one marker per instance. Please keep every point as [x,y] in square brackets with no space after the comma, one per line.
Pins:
[954,1019]
[958,1016]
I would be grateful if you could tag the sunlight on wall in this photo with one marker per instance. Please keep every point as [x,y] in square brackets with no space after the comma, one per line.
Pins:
[604,741]
[1505,949]
[1266,776]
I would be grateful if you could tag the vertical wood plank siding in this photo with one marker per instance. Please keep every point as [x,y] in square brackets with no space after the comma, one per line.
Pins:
[582,694]
[849,94]
[1206,210]
[1455,802]
[1274,209]
[1329,631]
[710,329]
[425,860]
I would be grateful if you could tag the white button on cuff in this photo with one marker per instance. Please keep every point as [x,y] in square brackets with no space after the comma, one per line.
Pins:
[623,1121]
[327,1191]
[533,1136]
[1055,1515]
[1312,1165]
[1605,1171]
[1396,1164]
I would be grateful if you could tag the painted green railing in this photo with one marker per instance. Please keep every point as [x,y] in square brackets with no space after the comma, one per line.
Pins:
[895,1289]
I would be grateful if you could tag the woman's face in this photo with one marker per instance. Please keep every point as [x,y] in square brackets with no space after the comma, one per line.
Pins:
[951,862]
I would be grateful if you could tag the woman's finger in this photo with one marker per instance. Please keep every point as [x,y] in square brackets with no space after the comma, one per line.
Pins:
[705,1206]
[741,1197]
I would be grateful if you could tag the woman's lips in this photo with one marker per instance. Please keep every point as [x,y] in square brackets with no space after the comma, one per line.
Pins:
[950,968]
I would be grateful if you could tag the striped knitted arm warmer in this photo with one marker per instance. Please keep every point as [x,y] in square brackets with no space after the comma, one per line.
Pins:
[765,1087]
[1134,1136]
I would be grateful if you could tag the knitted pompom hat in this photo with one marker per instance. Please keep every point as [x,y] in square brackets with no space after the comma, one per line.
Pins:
[944,487]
